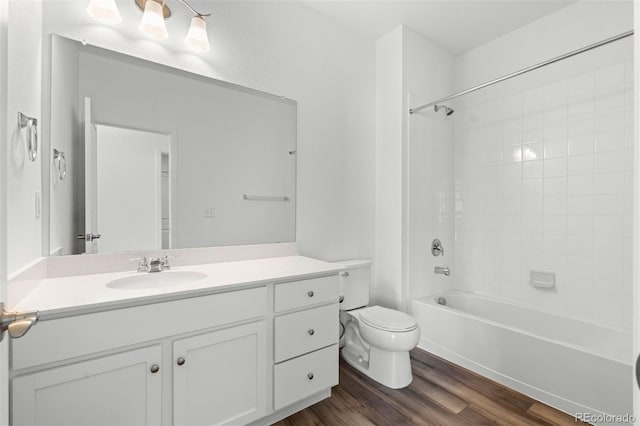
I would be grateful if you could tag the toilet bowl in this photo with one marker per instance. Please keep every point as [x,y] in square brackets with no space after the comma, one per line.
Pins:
[377,343]
[376,340]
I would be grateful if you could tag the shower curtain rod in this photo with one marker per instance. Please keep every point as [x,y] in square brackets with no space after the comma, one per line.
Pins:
[525,70]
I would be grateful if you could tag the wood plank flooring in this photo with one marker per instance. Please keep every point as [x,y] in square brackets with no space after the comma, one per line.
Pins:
[441,394]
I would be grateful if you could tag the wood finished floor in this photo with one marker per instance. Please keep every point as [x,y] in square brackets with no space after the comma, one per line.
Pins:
[441,394]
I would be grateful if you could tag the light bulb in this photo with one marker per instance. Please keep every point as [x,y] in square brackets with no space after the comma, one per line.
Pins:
[197,37]
[152,23]
[104,11]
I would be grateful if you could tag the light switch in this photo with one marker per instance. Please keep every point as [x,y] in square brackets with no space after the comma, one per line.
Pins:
[209,212]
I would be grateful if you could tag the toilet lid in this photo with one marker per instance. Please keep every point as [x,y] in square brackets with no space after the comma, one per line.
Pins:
[387,319]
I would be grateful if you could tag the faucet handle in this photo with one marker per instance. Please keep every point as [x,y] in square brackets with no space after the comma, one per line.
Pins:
[143,263]
[165,260]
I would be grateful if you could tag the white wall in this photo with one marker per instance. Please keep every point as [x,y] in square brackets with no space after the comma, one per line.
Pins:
[575,26]
[283,48]
[414,177]
[65,132]
[4,346]
[24,95]
[544,166]
[388,261]
[428,75]
[636,208]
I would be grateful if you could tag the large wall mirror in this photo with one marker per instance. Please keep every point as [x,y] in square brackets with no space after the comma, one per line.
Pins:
[148,157]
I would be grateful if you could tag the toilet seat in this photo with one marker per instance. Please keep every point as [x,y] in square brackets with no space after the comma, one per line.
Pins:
[387,319]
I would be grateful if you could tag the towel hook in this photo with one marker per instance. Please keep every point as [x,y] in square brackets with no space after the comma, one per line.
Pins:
[32,134]
[60,162]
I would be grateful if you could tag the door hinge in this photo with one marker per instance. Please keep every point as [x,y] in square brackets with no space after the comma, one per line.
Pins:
[16,323]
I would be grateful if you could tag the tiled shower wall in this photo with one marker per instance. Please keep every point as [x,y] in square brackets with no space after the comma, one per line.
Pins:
[544,182]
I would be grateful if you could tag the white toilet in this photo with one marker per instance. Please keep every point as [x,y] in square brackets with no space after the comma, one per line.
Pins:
[376,340]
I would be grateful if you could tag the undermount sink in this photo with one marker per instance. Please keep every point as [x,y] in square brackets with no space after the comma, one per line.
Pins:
[156,280]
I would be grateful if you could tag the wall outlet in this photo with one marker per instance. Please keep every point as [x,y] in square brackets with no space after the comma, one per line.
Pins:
[38,205]
[209,212]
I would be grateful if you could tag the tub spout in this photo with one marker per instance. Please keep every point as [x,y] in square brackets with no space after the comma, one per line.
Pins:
[442,270]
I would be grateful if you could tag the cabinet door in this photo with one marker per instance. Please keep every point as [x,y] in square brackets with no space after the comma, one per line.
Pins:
[119,389]
[220,377]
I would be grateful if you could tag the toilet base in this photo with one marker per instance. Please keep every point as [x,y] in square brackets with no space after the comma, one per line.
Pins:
[392,369]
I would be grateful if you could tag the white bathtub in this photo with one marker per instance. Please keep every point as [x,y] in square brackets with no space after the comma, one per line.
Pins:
[575,366]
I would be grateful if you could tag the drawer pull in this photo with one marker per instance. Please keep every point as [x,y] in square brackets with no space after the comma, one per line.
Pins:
[345,274]
[311,332]
[310,293]
[155,368]
[180,361]
[310,376]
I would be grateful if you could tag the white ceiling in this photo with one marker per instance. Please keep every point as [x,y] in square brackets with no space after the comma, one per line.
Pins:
[456,25]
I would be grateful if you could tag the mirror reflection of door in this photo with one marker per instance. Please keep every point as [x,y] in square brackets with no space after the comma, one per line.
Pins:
[132,189]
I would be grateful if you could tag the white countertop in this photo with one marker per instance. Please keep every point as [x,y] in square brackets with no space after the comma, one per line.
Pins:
[80,294]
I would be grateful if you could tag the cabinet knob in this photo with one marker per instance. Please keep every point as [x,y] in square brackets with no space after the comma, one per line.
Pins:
[345,274]
[311,332]
[310,293]
[180,361]
[310,376]
[155,368]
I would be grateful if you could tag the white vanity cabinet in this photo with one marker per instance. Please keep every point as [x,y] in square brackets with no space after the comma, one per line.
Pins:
[121,389]
[220,377]
[306,339]
[79,371]
[245,356]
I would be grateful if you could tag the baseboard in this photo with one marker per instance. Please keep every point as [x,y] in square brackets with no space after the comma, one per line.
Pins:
[285,412]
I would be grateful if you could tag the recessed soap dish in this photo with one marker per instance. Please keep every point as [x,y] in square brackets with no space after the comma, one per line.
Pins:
[542,279]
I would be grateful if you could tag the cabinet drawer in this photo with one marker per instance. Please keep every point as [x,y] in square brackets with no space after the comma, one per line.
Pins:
[306,331]
[300,294]
[304,376]
[64,338]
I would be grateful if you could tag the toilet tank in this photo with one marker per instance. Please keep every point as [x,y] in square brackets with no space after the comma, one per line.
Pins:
[355,282]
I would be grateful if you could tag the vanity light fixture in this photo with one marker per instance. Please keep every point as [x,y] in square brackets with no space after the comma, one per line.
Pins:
[152,23]
[105,11]
[154,13]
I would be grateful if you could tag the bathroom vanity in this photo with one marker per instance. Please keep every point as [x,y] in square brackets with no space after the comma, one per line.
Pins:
[252,342]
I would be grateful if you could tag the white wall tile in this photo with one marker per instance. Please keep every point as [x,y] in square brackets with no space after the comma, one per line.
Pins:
[609,140]
[562,200]
[532,187]
[555,205]
[609,77]
[532,170]
[608,226]
[533,151]
[554,186]
[609,183]
[607,162]
[581,144]
[579,245]
[580,165]
[580,205]
[581,85]
[580,125]
[556,148]
[608,204]
[580,185]
[580,225]
[555,167]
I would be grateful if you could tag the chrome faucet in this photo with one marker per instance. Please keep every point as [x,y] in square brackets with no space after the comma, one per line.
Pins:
[442,270]
[143,264]
[159,264]
[154,264]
